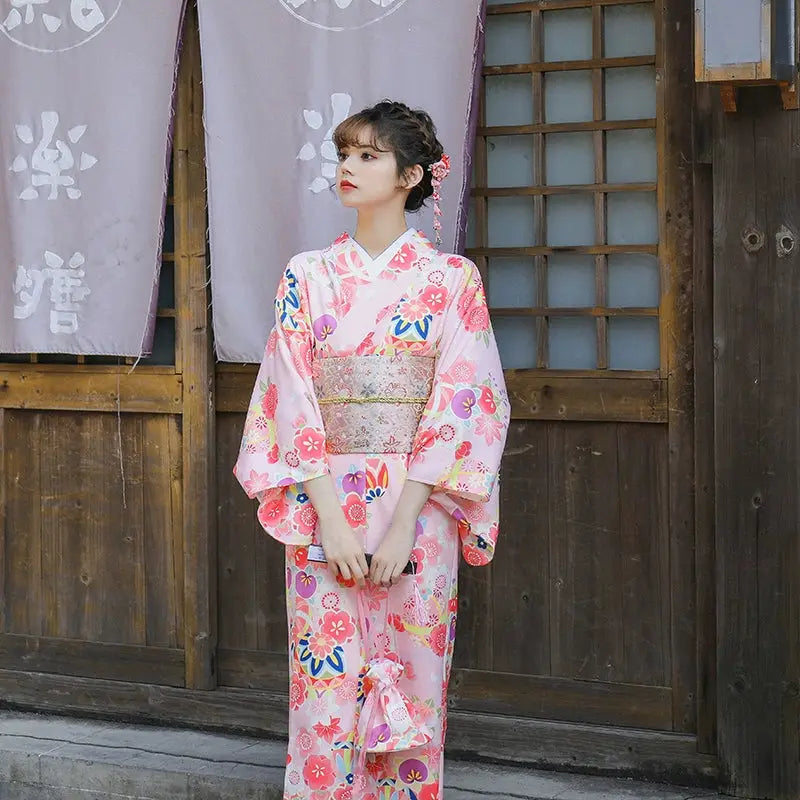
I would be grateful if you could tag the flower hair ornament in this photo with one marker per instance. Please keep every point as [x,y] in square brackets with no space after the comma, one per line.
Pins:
[439,171]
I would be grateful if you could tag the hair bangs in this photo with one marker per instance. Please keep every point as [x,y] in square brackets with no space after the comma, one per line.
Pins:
[358,131]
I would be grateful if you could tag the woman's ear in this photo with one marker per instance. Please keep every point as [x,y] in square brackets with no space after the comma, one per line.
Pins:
[413,176]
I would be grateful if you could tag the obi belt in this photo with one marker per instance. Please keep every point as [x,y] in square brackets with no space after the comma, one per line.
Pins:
[372,404]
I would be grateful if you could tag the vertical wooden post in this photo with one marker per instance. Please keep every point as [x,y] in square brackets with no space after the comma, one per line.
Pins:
[757,446]
[676,245]
[197,367]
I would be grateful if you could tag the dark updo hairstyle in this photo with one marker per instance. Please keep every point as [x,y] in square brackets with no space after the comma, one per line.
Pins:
[394,127]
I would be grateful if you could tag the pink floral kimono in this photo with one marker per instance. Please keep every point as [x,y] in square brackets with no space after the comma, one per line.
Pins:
[377,370]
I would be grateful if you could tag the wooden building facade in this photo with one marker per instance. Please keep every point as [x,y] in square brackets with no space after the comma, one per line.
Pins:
[641,616]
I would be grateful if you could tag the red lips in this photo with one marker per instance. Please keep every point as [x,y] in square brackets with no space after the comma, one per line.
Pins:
[346,185]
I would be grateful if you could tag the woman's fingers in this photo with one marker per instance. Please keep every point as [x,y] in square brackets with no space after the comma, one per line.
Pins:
[344,570]
[356,571]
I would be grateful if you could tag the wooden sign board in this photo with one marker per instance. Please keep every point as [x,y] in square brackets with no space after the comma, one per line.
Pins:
[744,40]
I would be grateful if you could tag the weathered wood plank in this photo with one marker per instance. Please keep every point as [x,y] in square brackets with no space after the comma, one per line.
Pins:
[533,396]
[586,572]
[704,458]
[611,751]
[22,554]
[236,514]
[757,449]
[536,696]
[254,669]
[675,88]
[92,524]
[162,588]
[665,757]
[644,554]
[75,657]
[521,566]
[50,390]
[197,367]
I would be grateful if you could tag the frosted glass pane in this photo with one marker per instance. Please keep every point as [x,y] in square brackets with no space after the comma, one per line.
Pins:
[631,156]
[569,158]
[629,31]
[471,237]
[510,161]
[631,93]
[508,39]
[516,341]
[570,281]
[633,343]
[633,281]
[573,343]
[632,218]
[509,100]
[511,222]
[512,283]
[568,96]
[567,34]
[570,220]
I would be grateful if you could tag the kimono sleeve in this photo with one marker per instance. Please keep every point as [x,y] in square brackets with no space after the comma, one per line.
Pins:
[284,440]
[462,432]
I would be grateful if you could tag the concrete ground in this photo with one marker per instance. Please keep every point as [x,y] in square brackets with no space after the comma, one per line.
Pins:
[54,758]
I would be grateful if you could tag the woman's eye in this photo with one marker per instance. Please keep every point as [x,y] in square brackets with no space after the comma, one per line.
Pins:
[367,156]
[341,156]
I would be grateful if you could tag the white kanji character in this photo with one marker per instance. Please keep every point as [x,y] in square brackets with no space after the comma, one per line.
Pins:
[87,14]
[28,286]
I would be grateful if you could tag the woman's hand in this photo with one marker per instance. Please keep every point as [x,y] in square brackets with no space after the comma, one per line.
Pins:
[391,557]
[342,548]
[343,551]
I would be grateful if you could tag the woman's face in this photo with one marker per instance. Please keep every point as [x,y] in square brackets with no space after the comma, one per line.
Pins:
[367,177]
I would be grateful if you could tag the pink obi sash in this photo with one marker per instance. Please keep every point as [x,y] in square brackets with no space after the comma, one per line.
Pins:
[372,404]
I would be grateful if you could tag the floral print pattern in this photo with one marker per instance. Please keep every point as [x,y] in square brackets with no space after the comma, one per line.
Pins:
[386,653]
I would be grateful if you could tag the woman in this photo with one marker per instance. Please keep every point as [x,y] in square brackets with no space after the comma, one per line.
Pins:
[375,430]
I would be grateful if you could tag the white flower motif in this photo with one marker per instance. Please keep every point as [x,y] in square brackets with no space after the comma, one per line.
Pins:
[51,161]
[340,109]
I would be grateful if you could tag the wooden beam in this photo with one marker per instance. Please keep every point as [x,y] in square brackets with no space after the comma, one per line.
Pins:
[197,367]
[674,141]
[75,657]
[140,391]
[533,394]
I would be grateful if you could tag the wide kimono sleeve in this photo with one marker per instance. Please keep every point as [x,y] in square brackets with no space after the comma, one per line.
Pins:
[460,438]
[284,440]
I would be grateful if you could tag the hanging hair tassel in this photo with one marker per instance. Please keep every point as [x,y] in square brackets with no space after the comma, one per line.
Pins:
[439,171]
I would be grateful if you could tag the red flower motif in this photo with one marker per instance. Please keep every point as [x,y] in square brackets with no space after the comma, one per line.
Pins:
[463,450]
[355,510]
[319,773]
[486,401]
[297,693]
[396,621]
[301,557]
[338,625]
[269,402]
[311,443]
[477,319]
[348,583]
[429,792]
[403,259]
[425,440]
[272,512]
[456,262]
[438,639]
[274,455]
[435,298]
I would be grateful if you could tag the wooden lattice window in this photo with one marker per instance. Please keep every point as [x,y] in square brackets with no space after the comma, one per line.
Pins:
[564,221]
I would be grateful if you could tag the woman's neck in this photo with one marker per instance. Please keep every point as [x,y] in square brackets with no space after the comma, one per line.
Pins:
[375,232]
